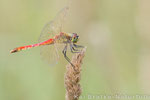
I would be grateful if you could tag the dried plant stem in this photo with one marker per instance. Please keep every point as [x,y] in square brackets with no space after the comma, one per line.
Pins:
[73,76]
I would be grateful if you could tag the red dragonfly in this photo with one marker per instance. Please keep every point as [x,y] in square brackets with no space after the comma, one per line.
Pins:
[52,37]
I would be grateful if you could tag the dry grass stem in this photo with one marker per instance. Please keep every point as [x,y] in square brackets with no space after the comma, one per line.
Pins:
[73,76]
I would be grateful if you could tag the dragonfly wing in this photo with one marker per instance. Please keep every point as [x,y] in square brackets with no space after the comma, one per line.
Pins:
[60,46]
[54,27]
[49,53]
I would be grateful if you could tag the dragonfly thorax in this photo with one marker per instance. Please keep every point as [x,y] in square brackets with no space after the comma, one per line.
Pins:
[66,38]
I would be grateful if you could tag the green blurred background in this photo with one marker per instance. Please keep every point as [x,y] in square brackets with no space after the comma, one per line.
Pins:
[117,61]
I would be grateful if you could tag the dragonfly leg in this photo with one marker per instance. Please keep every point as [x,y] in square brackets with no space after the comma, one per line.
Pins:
[78,46]
[65,55]
[73,50]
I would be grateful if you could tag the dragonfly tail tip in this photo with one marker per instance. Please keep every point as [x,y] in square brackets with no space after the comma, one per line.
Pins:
[13,51]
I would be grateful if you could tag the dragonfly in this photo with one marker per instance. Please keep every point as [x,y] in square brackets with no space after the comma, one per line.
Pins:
[53,39]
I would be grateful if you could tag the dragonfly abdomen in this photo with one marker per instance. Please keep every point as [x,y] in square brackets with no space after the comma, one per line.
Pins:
[21,48]
[50,41]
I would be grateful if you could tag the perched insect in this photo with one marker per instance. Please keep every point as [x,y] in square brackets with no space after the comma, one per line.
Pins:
[52,38]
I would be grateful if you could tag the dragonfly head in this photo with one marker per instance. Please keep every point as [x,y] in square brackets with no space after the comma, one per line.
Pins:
[75,38]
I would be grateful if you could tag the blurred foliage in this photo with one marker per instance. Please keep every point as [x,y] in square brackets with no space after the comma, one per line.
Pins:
[117,36]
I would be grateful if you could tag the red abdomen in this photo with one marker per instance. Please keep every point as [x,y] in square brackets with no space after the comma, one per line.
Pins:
[50,41]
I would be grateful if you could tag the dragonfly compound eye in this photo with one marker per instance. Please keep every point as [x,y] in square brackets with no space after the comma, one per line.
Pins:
[75,38]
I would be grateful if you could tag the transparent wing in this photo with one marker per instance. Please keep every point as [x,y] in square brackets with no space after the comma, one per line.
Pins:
[54,27]
[50,54]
